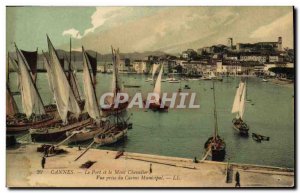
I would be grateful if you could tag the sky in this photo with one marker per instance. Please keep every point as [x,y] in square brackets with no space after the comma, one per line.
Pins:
[139,29]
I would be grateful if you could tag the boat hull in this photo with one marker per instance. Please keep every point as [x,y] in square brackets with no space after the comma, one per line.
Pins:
[156,107]
[218,152]
[81,137]
[111,111]
[241,127]
[56,133]
[218,155]
[112,139]
[25,127]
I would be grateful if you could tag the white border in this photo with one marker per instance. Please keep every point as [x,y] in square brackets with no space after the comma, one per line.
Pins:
[5,3]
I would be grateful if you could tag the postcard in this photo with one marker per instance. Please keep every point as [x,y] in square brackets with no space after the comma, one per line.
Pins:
[150,97]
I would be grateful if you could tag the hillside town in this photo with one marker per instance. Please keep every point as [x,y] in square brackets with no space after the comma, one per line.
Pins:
[239,59]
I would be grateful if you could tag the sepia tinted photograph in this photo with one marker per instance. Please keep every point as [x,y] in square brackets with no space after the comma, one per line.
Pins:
[150,97]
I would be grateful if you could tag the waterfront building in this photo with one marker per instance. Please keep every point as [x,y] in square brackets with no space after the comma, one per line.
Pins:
[140,66]
[231,56]
[253,56]
[260,46]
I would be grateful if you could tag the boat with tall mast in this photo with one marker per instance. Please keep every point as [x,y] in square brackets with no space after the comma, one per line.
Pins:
[115,127]
[173,79]
[239,108]
[72,78]
[215,144]
[154,69]
[68,107]
[11,105]
[32,103]
[156,106]
[116,88]
[91,104]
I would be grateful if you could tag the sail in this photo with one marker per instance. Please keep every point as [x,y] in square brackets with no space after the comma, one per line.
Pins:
[63,94]
[237,98]
[14,65]
[49,74]
[242,103]
[91,104]
[31,100]
[212,75]
[93,63]
[74,84]
[31,58]
[154,69]
[157,87]
[11,106]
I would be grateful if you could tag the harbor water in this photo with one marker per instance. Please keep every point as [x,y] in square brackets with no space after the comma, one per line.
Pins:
[183,132]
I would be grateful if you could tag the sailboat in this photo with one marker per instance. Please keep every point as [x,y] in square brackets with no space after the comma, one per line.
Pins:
[91,105]
[116,82]
[239,108]
[67,105]
[173,79]
[49,107]
[113,132]
[71,76]
[32,103]
[11,105]
[154,69]
[215,144]
[156,106]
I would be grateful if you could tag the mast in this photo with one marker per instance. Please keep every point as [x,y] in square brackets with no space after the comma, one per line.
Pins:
[115,71]
[69,68]
[71,77]
[36,73]
[95,80]
[7,66]
[70,54]
[215,113]
[92,105]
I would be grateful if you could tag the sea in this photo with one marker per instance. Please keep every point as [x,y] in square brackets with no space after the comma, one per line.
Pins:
[183,132]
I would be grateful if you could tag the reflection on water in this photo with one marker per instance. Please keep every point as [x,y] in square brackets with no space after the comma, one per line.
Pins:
[182,133]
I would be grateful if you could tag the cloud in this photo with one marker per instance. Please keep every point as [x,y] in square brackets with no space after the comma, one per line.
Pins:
[99,17]
[174,29]
[283,26]
[73,32]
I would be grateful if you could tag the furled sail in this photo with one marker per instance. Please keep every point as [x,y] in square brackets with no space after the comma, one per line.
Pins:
[242,103]
[93,63]
[157,87]
[31,100]
[91,104]
[116,78]
[154,69]
[31,58]
[237,98]
[11,106]
[64,96]
[74,84]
